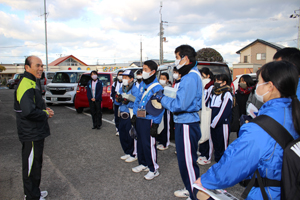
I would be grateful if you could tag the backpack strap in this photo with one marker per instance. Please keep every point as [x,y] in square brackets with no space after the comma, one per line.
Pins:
[274,129]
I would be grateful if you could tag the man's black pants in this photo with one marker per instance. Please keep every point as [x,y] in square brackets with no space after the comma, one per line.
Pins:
[95,107]
[32,159]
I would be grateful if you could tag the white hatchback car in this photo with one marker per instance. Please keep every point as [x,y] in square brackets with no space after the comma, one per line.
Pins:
[63,87]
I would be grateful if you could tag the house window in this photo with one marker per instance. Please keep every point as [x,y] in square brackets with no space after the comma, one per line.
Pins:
[245,59]
[261,56]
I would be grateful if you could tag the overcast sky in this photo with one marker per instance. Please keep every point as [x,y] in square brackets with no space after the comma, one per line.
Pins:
[110,31]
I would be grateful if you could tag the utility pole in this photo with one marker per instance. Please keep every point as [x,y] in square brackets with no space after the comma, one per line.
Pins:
[161,37]
[45,13]
[295,15]
[141,59]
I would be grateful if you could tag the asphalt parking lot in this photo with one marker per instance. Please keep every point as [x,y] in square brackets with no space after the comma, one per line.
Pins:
[81,163]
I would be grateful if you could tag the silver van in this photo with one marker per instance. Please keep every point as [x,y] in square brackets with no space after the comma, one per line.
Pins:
[63,87]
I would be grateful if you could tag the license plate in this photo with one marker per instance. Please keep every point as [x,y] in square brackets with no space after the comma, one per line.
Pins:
[53,99]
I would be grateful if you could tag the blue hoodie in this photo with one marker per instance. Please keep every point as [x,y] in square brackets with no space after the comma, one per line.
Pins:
[138,103]
[254,149]
[298,90]
[188,98]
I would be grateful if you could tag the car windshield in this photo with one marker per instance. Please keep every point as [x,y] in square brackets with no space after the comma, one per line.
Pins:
[66,77]
[105,78]
[217,69]
[50,75]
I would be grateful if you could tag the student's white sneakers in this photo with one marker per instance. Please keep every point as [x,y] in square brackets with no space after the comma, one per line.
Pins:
[203,161]
[131,159]
[140,168]
[184,193]
[161,147]
[151,175]
[125,156]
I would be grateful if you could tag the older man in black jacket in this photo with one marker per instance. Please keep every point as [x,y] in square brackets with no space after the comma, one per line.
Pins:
[32,123]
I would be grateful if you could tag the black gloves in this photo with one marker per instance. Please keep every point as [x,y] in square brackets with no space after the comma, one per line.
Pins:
[125,101]
[153,130]
[118,98]
[133,120]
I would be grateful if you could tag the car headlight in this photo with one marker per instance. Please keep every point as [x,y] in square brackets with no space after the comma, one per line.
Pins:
[48,88]
[69,89]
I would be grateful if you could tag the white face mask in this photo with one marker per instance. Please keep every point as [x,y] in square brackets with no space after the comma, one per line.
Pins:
[94,77]
[162,82]
[260,97]
[139,76]
[125,82]
[146,75]
[120,77]
[178,66]
[175,76]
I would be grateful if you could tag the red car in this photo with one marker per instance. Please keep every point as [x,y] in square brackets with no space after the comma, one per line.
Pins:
[81,100]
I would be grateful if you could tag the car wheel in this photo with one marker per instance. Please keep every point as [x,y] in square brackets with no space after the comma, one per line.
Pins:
[79,110]
[15,86]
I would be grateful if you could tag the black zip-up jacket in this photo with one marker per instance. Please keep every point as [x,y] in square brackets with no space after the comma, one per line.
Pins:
[30,108]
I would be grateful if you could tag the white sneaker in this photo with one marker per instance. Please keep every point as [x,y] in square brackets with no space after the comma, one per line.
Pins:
[182,193]
[117,134]
[151,175]
[200,158]
[140,168]
[158,146]
[203,161]
[44,194]
[131,159]
[125,156]
[162,148]
[42,197]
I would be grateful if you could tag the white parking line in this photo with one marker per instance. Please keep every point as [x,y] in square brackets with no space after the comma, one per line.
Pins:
[108,121]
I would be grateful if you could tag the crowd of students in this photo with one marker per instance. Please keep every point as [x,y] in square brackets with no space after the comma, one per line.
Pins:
[145,117]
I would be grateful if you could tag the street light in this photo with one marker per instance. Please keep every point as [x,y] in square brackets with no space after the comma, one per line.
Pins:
[295,15]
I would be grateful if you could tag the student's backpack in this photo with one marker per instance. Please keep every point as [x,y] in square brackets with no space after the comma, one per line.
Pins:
[290,173]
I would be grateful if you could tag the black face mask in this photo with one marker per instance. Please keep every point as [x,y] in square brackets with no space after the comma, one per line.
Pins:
[217,85]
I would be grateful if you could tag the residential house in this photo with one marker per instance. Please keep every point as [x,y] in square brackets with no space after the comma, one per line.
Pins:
[254,55]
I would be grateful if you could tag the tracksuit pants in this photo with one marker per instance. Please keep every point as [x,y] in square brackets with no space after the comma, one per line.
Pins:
[146,149]
[220,138]
[186,139]
[206,149]
[95,107]
[164,137]
[117,119]
[126,141]
[32,159]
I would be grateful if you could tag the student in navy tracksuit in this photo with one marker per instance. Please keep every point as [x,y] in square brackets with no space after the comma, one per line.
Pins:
[185,108]
[126,112]
[220,102]
[94,94]
[164,137]
[146,124]
[114,90]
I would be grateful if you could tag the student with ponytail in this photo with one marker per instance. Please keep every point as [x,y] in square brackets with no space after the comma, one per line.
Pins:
[255,149]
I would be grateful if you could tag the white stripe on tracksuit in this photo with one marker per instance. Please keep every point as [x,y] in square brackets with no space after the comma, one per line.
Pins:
[30,159]
[153,152]
[188,154]
[219,115]
[168,127]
